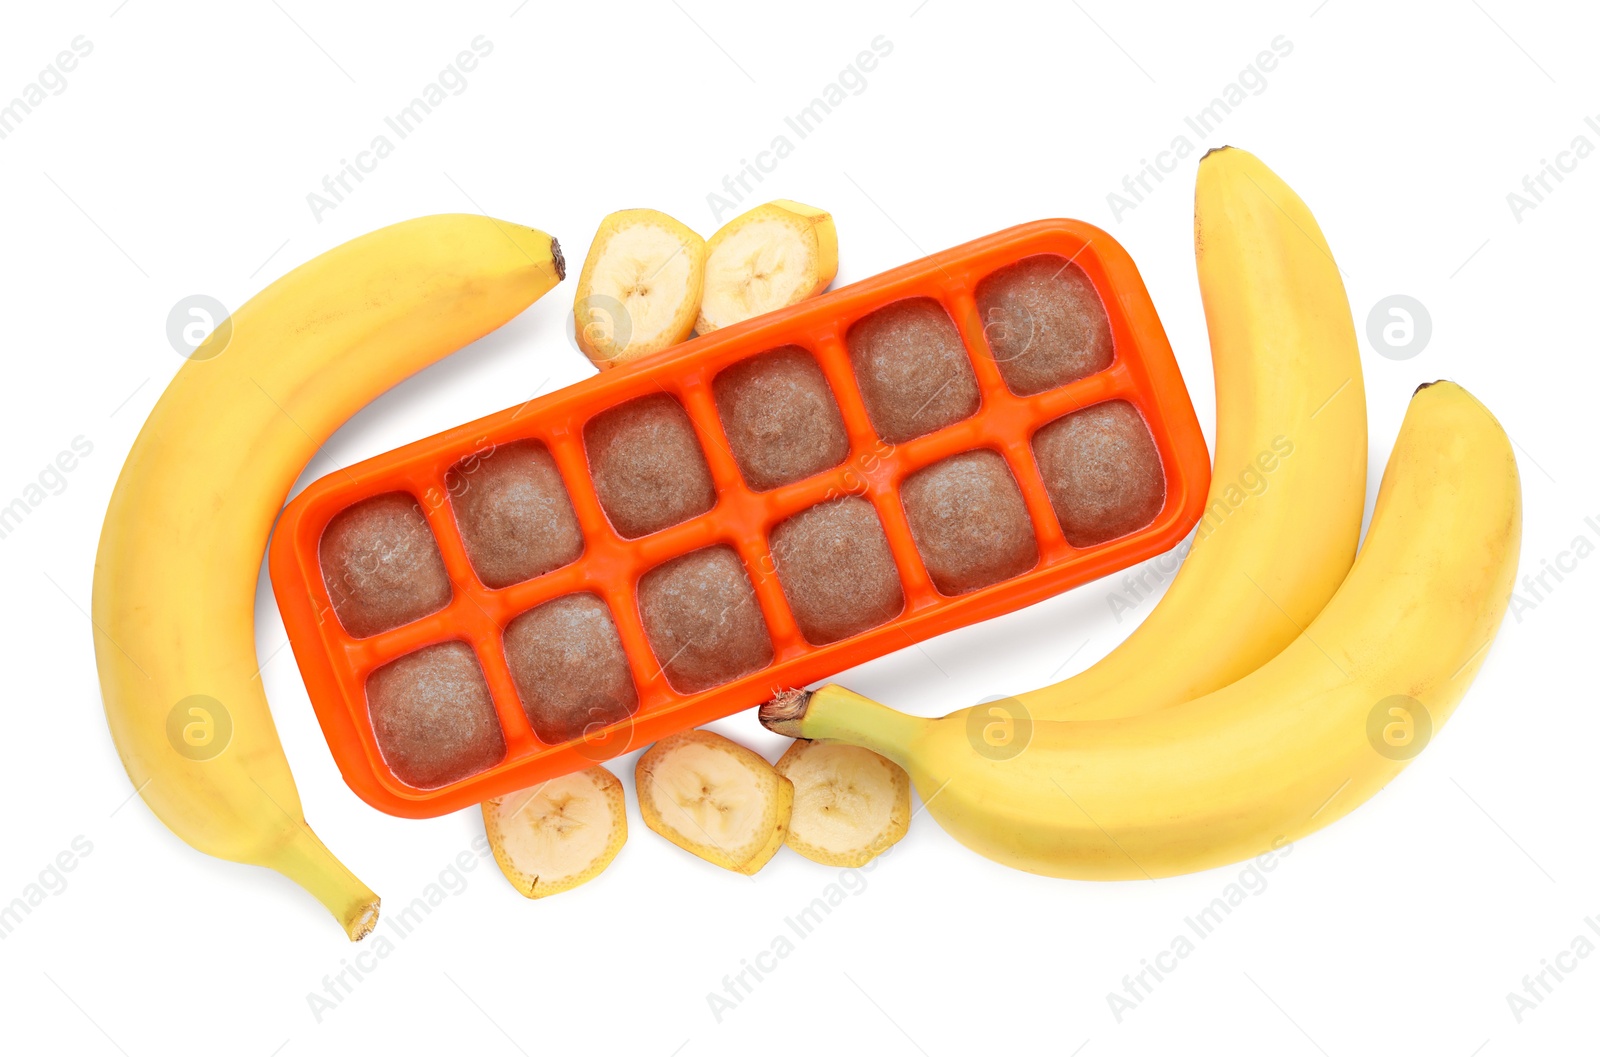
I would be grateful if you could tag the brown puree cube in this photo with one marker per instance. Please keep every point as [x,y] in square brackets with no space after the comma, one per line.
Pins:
[780,417]
[381,565]
[1102,471]
[912,369]
[702,619]
[433,717]
[969,521]
[647,465]
[514,514]
[836,570]
[570,668]
[1044,322]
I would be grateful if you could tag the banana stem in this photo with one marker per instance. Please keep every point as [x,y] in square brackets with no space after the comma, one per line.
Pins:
[836,714]
[308,863]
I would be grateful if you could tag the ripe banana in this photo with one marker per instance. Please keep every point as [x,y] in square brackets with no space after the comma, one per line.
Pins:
[714,798]
[180,553]
[1289,478]
[775,255]
[1280,753]
[850,805]
[640,287]
[557,835]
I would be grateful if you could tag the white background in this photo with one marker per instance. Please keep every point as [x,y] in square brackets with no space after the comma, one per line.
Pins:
[178,160]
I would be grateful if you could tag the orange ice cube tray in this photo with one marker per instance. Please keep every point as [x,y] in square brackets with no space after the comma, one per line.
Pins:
[336,664]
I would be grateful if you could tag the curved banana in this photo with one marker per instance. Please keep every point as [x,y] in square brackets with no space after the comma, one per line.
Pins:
[1289,479]
[180,553]
[1282,752]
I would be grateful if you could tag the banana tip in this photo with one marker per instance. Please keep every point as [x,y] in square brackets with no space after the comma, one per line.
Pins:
[560,261]
[782,715]
[364,922]
[1215,150]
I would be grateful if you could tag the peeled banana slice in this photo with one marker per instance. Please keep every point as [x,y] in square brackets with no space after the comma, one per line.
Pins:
[640,287]
[850,804]
[775,255]
[557,835]
[715,798]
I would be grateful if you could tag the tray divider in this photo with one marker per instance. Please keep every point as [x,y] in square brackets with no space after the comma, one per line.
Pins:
[701,408]
[787,641]
[917,585]
[520,739]
[1053,545]
[834,358]
[566,448]
[963,309]
[648,677]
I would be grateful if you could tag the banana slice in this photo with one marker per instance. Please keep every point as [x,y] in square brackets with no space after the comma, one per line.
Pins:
[640,287]
[714,798]
[775,255]
[850,804]
[557,835]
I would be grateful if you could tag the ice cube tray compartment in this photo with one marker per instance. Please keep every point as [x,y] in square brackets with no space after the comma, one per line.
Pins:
[337,665]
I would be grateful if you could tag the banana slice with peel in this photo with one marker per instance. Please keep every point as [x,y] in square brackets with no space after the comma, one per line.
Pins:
[714,798]
[777,254]
[850,804]
[639,291]
[557,835]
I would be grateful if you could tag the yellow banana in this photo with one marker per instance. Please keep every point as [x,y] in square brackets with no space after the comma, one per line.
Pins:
[1282,752]
[175,577]
[1289,480]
